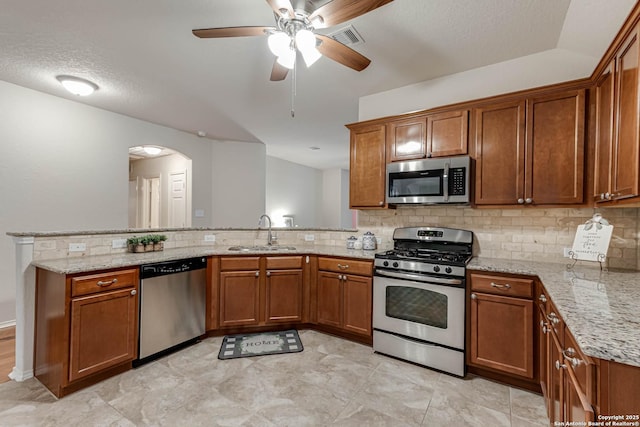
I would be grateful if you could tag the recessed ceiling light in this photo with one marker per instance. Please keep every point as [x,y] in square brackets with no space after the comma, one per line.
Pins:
[314,148]
[77,86]
[152,150]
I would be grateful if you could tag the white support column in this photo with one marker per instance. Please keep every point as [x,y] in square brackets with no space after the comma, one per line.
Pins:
[25,309]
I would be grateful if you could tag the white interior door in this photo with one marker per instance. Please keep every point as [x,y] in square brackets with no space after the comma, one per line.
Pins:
[133,203]
[154,202]
[178,199]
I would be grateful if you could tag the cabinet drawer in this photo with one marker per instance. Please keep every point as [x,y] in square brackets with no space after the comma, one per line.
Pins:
[84,285]
[239,263]
[511,286]
[284,262]
[363,268]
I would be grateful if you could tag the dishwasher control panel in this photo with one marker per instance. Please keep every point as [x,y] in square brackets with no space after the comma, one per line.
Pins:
[172,267]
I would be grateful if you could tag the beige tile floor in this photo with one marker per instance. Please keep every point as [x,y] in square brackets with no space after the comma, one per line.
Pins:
[332,382]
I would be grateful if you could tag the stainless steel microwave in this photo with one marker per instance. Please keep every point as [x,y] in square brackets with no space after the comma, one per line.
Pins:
[429,181]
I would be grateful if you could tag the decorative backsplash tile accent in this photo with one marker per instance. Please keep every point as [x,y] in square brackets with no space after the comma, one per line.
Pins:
[517,234]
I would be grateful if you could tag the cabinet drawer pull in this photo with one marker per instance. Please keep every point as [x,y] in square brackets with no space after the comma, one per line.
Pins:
[560,365]
[343,267]
[542,298]
[107,283]
[544,327]
[569,354]
[499,286]
[553,318]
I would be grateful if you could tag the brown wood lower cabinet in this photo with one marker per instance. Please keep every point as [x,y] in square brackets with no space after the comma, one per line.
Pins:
[86,327]
[344,300]
[256,291]
[501,336]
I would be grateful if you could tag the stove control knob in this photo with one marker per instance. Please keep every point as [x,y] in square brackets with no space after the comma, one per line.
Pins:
[448,269]
[395,264]
[436,268]
[386,263]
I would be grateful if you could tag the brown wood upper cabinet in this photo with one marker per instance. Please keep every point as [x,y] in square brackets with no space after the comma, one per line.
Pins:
[531,151]
[617,158]
[367,173]
[432,135]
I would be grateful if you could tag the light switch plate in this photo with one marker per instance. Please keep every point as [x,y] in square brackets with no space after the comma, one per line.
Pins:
[309,237]
[199,213]
[77,247]
[209,237]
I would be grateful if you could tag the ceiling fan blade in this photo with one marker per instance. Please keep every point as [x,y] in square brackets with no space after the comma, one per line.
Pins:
[340,53]
[338,11]
[212,33]
[282,7]
[278,72]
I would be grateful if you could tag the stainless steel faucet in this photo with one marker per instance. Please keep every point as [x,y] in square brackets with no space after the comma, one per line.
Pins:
[269,235]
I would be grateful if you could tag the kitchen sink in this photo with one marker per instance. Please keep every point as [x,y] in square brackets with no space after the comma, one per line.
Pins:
[264,248]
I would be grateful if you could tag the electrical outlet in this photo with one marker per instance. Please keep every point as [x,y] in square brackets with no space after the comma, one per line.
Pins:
[209,237]
[118,243]
[309,237]
[77,247]
[379,240]
[566,252]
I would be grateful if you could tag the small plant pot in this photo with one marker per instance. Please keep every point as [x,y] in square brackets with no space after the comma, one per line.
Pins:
[158,246]
[148,248]
[138,248]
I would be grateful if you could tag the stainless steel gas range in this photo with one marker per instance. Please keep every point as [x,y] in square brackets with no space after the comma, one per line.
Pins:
[419,297]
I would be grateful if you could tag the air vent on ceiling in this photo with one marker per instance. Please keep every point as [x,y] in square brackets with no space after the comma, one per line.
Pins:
[347,36]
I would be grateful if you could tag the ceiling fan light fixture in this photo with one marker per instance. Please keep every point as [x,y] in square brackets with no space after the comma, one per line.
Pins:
[279,43]
[287,59]
[77,86]
[310,56]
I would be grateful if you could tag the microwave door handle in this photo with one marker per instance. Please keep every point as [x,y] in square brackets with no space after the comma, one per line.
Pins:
[445,183]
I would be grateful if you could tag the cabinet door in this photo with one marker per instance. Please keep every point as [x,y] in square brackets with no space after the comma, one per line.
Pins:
[555,149]
[329,299]
[283,296]
[577,406]
[626,166]
[357,304]
[447,133]
[239,298]
[604,90]
[500,153]
[543,355]
[502,334]
[368,169]
[104,331]
[406,139]
[555,376]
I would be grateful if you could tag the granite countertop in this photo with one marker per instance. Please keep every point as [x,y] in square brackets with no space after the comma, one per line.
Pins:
[600,308]
[160,230]
[101,262]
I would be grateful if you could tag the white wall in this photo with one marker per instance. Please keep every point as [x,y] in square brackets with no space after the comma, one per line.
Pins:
[548,67]
[238,183]
[161,167]
[335,199]
[293,189]
[64,167]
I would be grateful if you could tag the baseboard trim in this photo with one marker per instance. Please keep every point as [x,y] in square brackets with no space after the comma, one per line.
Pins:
[20,375]
[8,324]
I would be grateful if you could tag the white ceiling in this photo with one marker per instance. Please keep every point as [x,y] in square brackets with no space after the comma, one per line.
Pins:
[148,65]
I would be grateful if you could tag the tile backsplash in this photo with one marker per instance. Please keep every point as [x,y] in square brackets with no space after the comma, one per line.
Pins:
[518,234]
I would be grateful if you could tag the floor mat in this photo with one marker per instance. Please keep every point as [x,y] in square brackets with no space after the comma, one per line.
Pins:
[260,344]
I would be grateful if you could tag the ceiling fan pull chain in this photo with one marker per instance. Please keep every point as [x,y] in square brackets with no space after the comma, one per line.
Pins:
[293,88]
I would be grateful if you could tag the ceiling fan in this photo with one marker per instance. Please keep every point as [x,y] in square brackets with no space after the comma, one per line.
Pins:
[295,32]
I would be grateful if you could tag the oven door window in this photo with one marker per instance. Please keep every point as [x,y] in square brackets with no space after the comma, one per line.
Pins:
[417,305]
[419,183]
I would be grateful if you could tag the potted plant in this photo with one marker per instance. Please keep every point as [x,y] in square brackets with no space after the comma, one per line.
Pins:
[158,242]
[148,244]
[135,244]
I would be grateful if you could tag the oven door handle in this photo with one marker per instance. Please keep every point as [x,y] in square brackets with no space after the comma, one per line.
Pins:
[419,277]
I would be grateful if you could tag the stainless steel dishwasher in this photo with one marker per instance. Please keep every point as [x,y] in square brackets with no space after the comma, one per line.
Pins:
[172,306]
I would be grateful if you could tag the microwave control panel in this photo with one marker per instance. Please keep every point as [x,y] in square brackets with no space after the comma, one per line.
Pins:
[457,183]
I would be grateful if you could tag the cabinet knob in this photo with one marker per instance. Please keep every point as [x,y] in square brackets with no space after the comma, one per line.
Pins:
[257,273]
[528,200]
[521,201]
[133,292]
[474,296]
[560,365]
[553,318]
[268,274]
[381,203]
[542,298]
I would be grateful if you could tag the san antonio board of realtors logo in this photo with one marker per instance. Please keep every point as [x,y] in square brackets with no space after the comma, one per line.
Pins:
[261,344]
